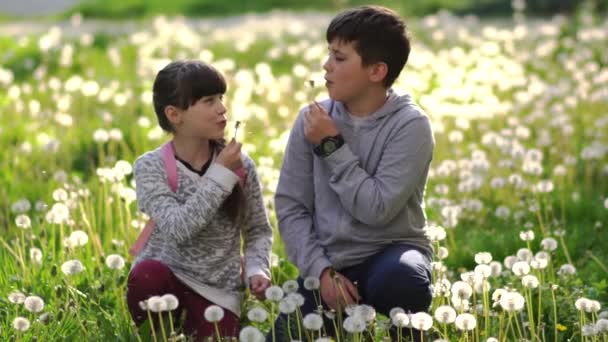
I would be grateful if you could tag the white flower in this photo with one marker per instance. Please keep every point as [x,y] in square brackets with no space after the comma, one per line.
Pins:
[395,311]
[512,301]
[400,320]
[442,253]
[606,203]
[601,325]
[421,321]
[483,271]
[287,306]
[521,268]
[566,270]
[23,221]
[353,324]
[583,304]
[313,321]
[588,330]
[366,312]
[16,297]
[524,254]
[324,339]
[530,281]
[257,314]
[595,306]
[483,258]
[539,264]
[274,293]
[156,304]
[445,314]
[509,261]
[290,286]
[462,290]
[115,262]
[465,322]
[33,304]
[492,339]
[251,334]
[60,195]
[78,238]
[101,135]
[21,206]
[36,255]
[296,298]
[311,283]
[435,233]
[496,268]
[214,313]
[71,267]
[171,302]
[549,244]
[21,323]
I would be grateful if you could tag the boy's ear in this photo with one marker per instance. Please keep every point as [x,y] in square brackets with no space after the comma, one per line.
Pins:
[173,114]
[378,72]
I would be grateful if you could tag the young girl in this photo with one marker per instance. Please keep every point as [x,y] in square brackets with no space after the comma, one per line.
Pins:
[193,251]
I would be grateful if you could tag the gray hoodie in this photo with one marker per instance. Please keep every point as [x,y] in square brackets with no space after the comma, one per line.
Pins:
[339,210]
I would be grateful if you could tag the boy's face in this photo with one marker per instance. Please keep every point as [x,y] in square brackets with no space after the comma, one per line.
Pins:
[346,77]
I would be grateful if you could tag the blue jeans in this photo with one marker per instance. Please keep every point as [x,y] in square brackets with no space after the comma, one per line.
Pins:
[398,276]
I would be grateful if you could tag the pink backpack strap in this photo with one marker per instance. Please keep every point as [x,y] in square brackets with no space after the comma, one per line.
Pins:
[168,154]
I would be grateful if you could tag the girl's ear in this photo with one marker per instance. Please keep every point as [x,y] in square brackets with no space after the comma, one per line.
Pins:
[174,115]
[378,72]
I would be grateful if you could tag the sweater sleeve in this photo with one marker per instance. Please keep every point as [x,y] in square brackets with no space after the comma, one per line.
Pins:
[180,220]
[376,199]
[294,202]
[258,231]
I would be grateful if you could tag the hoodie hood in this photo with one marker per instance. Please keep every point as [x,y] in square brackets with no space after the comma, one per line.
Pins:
[393,104]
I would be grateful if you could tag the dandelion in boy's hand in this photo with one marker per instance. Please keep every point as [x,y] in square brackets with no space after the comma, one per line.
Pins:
[421,321]
[214,313]
[290,286]
[71,267]
[257,314]
[16,297]
[274,293]
[115,262]
[21,323]
[311,283]
[313,321]
[33,304]
[171,301]
[445,314]
[251,334]
[465,322]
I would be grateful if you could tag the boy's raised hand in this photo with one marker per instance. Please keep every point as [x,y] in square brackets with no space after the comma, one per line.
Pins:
[318,124]
[230,156]
[258,284]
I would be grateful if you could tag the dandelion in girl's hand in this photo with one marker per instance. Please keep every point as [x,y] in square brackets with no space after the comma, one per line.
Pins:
[313,321]
[400,320]
[23,221]
[71,267]
[465,322]
[214,313]
[311,283]
[251,334]
[115,262]
[171,301]
[274,293]
[21,323]
[290,286]
[36,255]
[33,304]
[236,128]
[445,314]
[421,321]
[16,297]
[257,314]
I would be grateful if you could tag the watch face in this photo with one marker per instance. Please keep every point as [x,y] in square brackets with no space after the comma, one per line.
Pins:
[329,147]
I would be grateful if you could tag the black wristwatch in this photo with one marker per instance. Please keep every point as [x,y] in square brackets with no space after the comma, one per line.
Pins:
[329,145]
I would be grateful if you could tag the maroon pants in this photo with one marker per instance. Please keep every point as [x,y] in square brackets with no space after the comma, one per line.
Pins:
[152,278]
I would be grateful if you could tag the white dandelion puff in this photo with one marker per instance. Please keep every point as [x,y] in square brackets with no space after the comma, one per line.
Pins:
[257,314]
[311,283]
[445,314]
[214,313]
[465,322]
[16,297]
[274,293]
[290,286]
[156,304]
[251,334]
[36,255]
[530,281]
[400,320]
[23,221]
[33,304]
[421,321]
[21,323]
[354,324]
[313,321]
[512,301]
[72,267]
[115,262]
[171,301]
[521,268]
[395,311]
[483,258]
[549,244]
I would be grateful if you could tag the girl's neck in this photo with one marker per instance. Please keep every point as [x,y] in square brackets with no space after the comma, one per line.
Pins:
[194,151]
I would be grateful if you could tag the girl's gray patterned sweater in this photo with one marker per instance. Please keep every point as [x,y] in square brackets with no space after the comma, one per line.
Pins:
[195,239]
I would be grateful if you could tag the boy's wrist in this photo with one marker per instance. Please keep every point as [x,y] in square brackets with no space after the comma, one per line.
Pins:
[329,145]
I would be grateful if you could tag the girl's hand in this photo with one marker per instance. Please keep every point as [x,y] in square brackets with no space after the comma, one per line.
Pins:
[230,156]
[258,284]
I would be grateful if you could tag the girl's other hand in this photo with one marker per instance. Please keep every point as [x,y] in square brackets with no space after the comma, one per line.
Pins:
[258,284]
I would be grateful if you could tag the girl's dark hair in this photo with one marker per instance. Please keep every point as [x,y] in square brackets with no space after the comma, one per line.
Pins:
[181,84]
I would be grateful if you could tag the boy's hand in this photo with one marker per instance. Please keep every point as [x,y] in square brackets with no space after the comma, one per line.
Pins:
[318,124]
[258,284]
[230,156]
[337,291]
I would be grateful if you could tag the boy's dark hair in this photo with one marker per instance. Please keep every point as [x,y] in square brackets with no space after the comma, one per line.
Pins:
[378,35]
[181,84]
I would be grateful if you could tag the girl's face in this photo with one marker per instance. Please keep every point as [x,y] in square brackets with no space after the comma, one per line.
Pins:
[205,119]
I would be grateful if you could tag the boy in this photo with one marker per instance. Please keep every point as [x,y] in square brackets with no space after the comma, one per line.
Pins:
[350,194]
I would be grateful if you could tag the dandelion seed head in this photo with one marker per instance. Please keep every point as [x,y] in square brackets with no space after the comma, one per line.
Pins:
[16,297]
[311,283]
[214,313]
[524,254]
[400,320]
[395,311]
[72,267]
[445,314]
[171,301]
[354,324]
[482,258]
[530,281]
[23,221]
[365,312]
[421,321]
[33,304]
[509,261]
[442,253]
[290,286]
[566,270]
[496,268]
[462,290]
[465,322]
[589,330]
[549,244]
[512,301]
[521,268]
[602,325]
[274,293]
[251,334]
[156,304]
[287,306]
[36,255]
[313,321]
[257,314]
[115,262]
[21,324]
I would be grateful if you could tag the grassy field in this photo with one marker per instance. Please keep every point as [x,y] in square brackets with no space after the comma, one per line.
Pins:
[519,173]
